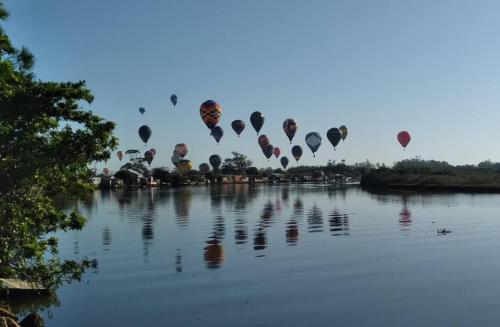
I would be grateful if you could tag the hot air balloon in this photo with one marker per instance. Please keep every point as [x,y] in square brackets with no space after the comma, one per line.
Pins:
[105,171]
[176,159]
[343,131]
[284,162]
[184,165]
[145,133]
[215,161]
[142,110]
[217,132]
[119,154]
[173,98]
[268,150]
[263,140]
[204,168]
[297,152]
[277,152]
[404,138]
[334,135]
[181,149]
[148,156]
[313,141]
[257,120]
[210,112]
[290,127]
[238,126]
[153,150]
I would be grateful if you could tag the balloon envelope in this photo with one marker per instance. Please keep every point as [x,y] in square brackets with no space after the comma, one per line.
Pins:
[210,112]
[343,130]
[257,120]
[145,133]
[215,160]
[105,171]
[268,150]
[173,99]
[263,140]
[290,127]
[148,156]
[284,162]
[181,149]
[185,165]
[119,154]
[142,110]
[404,138]
[176,159]
[297,152]
[204,168]
[313,141]
[334,135]
[153,150]
[238,126]
[217,132]
[277,152]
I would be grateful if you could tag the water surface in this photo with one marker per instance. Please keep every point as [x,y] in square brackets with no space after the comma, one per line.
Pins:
[297,255]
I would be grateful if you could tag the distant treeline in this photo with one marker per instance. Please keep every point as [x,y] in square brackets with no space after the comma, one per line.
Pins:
[432,174]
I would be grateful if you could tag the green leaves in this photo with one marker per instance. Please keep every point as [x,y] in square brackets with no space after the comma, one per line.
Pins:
[47,143]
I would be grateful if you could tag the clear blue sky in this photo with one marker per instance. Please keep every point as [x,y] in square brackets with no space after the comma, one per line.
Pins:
[429,67]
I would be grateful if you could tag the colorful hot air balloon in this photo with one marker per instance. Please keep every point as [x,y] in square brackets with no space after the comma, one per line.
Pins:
[277,152]
[105,171]
[284,162]
[173,99]
[215,160]
[313,141]
[257,120]
[204,168]
[404,138]
[148,156]
[176,159]
[181,149]
[119,154]
[297,152]
[238,126]
[210,112]
[263,140]
[217,132]
[153,150]
[142,110]
[290,127]
[334,135]
[343,131]
[268,150]
[145,133]
[184,165]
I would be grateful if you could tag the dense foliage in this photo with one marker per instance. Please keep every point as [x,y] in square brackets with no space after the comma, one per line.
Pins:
[47,141]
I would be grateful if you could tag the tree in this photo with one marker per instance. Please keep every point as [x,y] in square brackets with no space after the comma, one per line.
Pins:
[47,143]
[239,163]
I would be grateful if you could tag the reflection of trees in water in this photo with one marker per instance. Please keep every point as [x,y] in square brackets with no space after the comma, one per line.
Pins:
[339,223]
[315,219]
[182,205]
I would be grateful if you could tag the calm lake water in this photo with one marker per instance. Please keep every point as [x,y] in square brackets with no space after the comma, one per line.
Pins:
[297,255]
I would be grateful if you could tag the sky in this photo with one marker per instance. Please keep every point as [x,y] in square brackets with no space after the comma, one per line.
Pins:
[429,67]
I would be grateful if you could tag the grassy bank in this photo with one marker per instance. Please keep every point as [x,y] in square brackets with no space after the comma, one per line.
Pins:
[435,176]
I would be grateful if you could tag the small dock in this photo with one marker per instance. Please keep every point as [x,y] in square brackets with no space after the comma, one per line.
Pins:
[12,287]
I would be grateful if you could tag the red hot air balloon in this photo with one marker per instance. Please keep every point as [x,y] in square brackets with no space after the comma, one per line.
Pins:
[277,152]
[404,138]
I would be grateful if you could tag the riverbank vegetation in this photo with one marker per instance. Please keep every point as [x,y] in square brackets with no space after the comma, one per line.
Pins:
[435,175]
[47,142]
